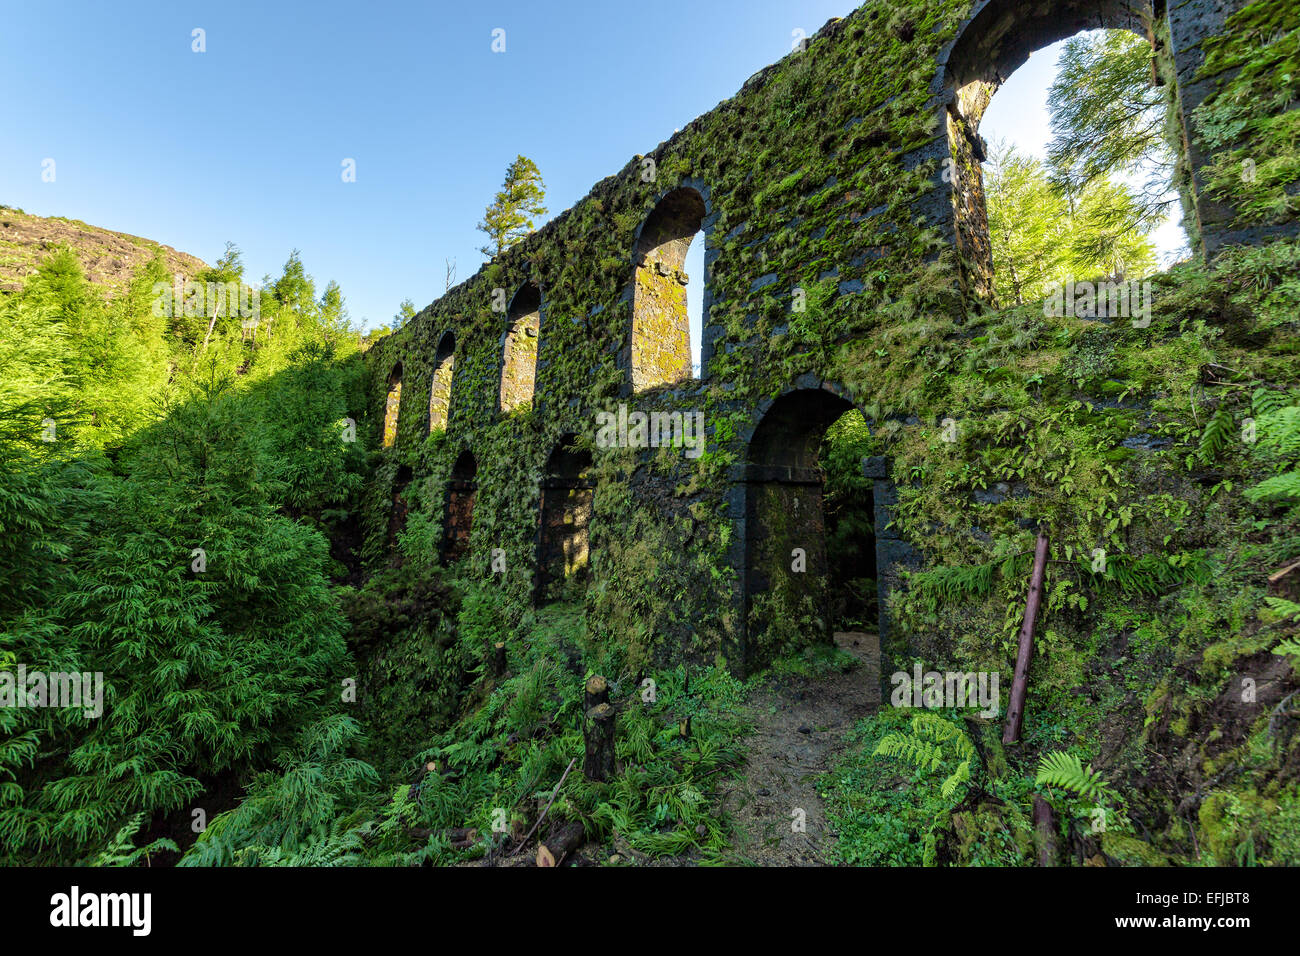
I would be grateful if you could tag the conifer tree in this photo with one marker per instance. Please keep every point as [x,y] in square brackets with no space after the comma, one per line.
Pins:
[510,217]
[1109,120]
[405,312]
[1040,239]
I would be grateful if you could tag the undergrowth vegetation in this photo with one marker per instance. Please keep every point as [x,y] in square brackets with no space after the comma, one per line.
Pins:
[476,789]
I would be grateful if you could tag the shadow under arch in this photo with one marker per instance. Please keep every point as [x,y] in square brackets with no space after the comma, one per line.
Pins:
[398,512]
[462,490]
[779,545]
[565,509]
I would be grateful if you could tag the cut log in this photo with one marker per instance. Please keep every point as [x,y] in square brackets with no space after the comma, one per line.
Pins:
[499,659]
[1045,833]
[1016,708]
[597,691]
[563,839]
[598,734]
[1279,575]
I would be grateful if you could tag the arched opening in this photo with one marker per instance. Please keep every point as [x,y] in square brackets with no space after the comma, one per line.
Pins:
[398,512]
[696,266]
[567,495]
[392,404]
[519,349]
[849,505]
[460,508]
[1071,213]
[444,366]
[809,566]
[660,346]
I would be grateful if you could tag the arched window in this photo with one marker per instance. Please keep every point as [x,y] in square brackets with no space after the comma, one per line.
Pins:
[996,42]
[397,514]
[567,497]
[460,507]
[392,405]
[660,351]
[519,350]
[444,364]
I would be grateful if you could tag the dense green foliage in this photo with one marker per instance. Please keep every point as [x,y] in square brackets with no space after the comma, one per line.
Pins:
[493,770]
[1043,238]
[167,484]
[1108,120]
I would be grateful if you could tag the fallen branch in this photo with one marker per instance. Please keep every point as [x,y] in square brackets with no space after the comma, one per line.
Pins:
[554,793]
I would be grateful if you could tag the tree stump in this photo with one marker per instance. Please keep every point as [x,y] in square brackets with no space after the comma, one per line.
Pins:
[563,839]
[597,691]
[1045,832]
[499,659]
[598,734]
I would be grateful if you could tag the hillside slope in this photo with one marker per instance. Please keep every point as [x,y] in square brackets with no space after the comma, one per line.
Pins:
[108,258]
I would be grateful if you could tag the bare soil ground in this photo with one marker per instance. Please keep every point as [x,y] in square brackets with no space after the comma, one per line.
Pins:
[800,725]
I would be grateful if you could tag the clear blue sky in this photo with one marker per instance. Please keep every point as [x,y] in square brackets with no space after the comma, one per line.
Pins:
[245,141]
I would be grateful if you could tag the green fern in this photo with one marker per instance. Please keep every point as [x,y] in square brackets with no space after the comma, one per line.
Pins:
[959,776]
[1283,487]
[1279,433]
[1060,769]
[1153,574]
[122,851]
[1290,648]
[1286,611]
[924,748]
[1217,435]
[945,585]
[1266,401]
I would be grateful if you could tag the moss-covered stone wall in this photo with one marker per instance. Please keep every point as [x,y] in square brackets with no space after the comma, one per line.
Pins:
[827,195]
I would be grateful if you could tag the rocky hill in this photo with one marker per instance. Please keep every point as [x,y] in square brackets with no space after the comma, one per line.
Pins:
[108,258]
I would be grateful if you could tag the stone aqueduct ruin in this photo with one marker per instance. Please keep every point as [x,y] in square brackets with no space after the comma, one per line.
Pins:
[825,185]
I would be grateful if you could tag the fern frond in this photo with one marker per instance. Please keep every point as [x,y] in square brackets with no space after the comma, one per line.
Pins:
[942,731]
[915,750]
[960,775]
[1217,435]
[1283,487]
[1266,401]
[1285,610]
[1060,769]
[1290,648]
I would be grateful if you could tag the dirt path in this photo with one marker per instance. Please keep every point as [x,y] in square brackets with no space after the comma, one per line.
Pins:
[799,727]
